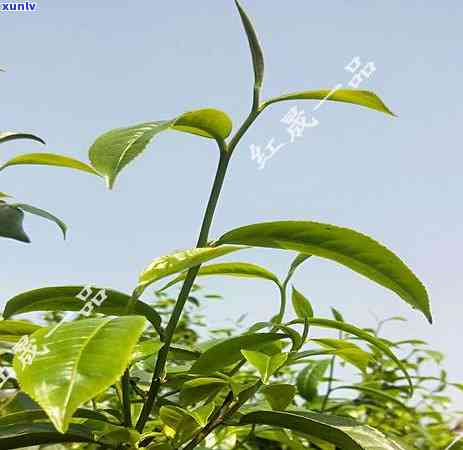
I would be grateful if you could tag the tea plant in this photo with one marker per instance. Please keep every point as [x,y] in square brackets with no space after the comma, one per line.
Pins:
[187,397]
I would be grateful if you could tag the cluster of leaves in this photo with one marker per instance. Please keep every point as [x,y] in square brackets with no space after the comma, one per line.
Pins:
[135,375]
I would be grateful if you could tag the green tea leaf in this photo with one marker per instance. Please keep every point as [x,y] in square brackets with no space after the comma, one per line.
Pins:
[228,352]
[13,330]
[343,432]
[266,365]
[114,150]
[355,96]
[254,46]
[310,377]
[279,396]
[40,212]
[64,298]
[77,363]
[13,135]
[347,247]
[176,262]
[230,269]
[301,305]
[49,159]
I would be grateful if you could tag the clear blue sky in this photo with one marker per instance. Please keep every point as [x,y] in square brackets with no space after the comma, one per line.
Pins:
[77,69]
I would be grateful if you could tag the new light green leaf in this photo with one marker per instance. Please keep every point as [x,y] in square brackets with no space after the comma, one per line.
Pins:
[114,150]
[49,159]
[176,262]
[343,432]
[254,46]
[302,306]
[228,352]
[266,365]
[64,298]
[80,363]
[13,330]
[279,396]
[357,97]
[347,247]
[229,269]
[13,135]
[11,223]
[41,213]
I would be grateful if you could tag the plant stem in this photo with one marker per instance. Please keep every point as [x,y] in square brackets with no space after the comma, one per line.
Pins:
[185,291]
[125,381]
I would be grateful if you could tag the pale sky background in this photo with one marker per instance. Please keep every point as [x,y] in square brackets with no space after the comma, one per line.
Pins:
[77,69]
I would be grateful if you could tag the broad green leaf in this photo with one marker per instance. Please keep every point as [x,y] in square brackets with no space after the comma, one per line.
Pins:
[181,423]
[373,340]
[310,377]
[350,248]
[179,261]
[355,96]
[228,352]
[230,269]
[64,298]
[29,416]
[25,435]
[209,123]
[375,393]
[344,432]
[3,195]
[301,305]
[266,365]
[13,330]
[114,150]
[279,396]
[49,159]
[254,46]
[13,135]
[347,351]
[199,389]
[11,223]
[79,363]
[202,413]
[146,348]
[40,212]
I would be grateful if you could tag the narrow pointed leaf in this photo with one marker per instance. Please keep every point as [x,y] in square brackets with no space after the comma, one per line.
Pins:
[357,97]
[11,223]
[114,150]
[301,305]
[177,262]
[230,269]
[254,46]
[347,247]
[40,212]
[344,432]
[297,261]
[49,159]
[64,298]
[375,393]
[19,436]
[228,352]
[13,330]
[13,135]
[78,364]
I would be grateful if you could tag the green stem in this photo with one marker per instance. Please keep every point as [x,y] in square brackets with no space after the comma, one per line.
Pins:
[281,313]
[185,291]
[125,381]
